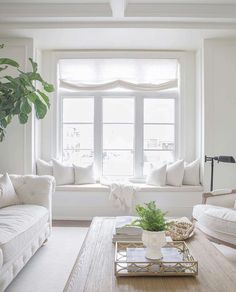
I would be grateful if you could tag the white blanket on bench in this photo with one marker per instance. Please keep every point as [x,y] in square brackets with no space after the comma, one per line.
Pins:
[122,194]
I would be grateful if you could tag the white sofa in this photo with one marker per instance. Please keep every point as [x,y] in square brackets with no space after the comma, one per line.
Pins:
[24,227]
[216,217]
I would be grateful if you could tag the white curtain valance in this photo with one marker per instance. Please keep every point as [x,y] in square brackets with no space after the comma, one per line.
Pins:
[64,84]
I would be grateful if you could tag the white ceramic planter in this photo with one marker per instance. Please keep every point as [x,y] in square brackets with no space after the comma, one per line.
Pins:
[153,241]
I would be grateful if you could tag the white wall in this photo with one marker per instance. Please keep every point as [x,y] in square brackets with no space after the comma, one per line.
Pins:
[219,95]
[16,151]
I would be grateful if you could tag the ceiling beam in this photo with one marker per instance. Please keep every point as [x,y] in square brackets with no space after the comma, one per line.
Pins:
[180,10]
[118,8]
[53,10]
[117,24]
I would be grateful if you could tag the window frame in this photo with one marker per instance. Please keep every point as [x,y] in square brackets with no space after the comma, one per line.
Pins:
[138,123]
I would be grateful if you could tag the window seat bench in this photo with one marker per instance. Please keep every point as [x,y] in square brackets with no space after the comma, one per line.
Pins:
[83,202]
[141,187]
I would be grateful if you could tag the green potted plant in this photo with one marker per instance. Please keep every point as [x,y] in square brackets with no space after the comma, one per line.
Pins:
[21,93]
[152,221]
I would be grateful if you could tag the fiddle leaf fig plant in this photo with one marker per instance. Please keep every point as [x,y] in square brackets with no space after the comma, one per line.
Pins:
[19,94]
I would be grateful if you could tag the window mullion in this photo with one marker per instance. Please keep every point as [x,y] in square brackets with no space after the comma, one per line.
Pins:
[98,134]
[138,138]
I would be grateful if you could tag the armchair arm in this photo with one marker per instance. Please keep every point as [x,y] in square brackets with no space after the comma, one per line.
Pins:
[33,189]
[224,198]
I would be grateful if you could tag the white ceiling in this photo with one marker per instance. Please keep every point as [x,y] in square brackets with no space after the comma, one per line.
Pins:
[95,24]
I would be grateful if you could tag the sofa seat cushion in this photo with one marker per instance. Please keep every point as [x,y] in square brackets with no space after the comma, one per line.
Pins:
[18,226]
[215,218]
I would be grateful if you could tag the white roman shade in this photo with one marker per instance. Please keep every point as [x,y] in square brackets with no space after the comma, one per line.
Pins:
[107,74]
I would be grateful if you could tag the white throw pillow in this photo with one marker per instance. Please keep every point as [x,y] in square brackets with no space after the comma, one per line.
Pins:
[192,173]
[175,173]
[64,174]
[44,167]
[84,175]
[8,195]
[157,176]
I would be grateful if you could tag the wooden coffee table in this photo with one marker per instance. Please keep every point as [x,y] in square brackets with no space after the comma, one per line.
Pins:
[93,270]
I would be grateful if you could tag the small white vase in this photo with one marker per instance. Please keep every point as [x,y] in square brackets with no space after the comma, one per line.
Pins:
[153,241]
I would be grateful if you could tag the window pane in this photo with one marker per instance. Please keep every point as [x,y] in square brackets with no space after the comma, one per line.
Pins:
[159,110]
[159,137]
[119,110]
[118,163]
[118,136]
[77,136]
[80,157]
[78,110]
[155,158]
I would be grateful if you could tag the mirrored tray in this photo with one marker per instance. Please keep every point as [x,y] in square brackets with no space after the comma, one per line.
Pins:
[130,260]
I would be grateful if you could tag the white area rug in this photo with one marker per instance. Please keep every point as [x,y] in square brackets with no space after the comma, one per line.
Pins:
[49,269]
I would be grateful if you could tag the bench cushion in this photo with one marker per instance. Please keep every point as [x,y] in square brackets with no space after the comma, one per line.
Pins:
[18,226]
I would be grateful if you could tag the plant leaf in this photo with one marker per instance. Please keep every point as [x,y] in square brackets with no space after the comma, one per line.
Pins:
[2,114]
[3,68]
[2,134]
[32,97]
[3,123]
[16,109]
[23,118]
[40,109]
[25,107]
[34,65]
[7,61]
[44,97]
[48,87]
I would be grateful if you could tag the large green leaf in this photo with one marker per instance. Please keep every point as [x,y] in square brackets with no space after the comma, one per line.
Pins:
[25,107]
[7,61]
[48,87]
[23,118]
[40,109]
[16,109]
[44,97]
[32,96]
[34,65]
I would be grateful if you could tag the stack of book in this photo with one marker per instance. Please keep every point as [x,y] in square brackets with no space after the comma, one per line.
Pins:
[124,232]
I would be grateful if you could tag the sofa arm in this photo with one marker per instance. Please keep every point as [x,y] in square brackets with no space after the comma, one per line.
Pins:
[33,189]
[224,198]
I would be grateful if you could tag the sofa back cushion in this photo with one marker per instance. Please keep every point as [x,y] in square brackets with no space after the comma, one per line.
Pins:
[8,195]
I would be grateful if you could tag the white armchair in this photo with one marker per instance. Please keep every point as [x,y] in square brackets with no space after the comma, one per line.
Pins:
[216,216]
